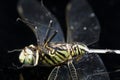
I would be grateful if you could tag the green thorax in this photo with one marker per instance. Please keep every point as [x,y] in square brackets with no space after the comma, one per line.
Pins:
[57,54]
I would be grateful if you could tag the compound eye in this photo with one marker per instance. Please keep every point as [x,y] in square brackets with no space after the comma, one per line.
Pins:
[28,59]
[22,56]
[31,50]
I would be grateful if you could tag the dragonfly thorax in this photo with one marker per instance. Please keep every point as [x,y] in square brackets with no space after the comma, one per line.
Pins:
[58,53]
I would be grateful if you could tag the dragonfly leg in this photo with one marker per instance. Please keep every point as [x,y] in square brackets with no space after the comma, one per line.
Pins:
[47,38]
[48,31]
[50,38]
[53,74]
[72,70]
[15,50]
[36,31]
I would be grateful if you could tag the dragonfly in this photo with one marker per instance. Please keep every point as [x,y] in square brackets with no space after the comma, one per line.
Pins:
[72,60]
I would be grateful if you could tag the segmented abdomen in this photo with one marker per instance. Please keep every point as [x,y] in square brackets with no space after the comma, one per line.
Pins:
[61,53]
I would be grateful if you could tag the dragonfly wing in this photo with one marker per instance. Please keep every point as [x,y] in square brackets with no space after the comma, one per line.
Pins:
[63,73]
[83,27]
[36,15]
[90,67]
[81,23]
[60,73]
[54,73]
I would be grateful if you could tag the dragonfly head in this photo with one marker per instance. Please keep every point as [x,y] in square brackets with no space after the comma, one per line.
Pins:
[29,56]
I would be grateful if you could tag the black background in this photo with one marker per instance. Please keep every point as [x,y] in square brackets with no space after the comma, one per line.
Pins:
[15,35]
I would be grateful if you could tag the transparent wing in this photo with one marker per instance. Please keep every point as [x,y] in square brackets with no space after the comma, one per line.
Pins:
[88,68]
[35,14]
[83,27]
[81,23]
[91,67]
[63,73]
